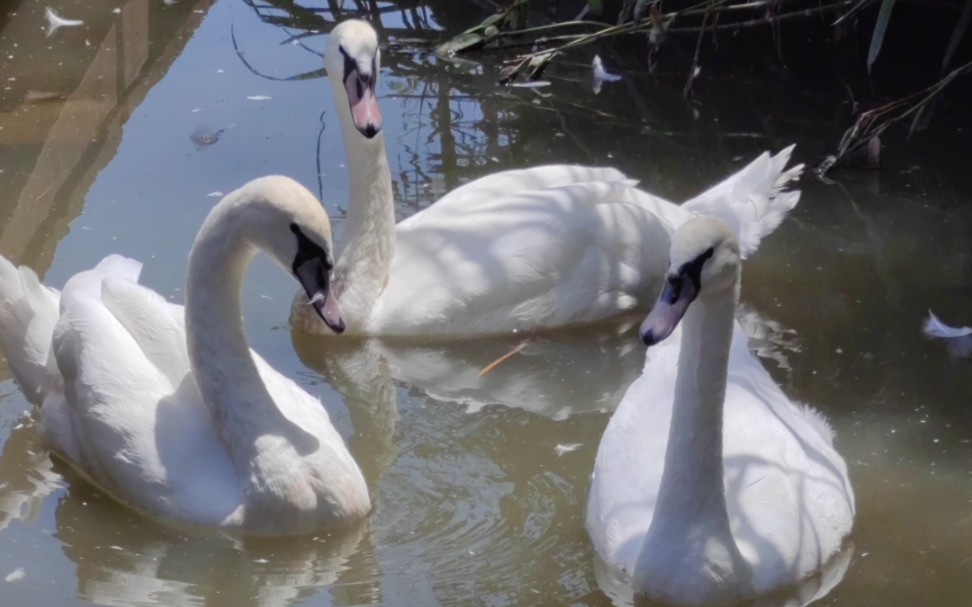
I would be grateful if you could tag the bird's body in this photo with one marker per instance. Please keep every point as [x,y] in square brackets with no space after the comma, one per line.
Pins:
[709,484]
[528,249]
[165,407]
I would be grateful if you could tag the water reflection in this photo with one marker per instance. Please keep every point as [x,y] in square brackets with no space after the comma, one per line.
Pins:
[123,560]
[556,375]
[60,124]
[473,499]
[810,590]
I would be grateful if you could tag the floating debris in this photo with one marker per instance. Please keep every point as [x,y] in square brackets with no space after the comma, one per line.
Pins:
[56,22]
[259,98]
[601,75]
[42,96]
[533,84]
[957,339]
[562,448]
[203,137]
[216,194]
[16,575]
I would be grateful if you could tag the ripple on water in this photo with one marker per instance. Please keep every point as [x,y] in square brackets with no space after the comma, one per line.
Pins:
[458,517]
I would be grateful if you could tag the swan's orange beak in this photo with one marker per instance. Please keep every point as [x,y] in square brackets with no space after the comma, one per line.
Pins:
[680,290]
[364,104]
[327,307]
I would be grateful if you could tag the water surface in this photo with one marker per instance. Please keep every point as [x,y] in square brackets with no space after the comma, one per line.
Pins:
[119,135]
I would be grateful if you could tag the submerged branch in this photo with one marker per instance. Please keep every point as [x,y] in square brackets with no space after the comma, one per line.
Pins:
[715,15]
[869,125]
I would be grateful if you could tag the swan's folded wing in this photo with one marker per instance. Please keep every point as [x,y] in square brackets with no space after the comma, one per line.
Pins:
[122,421]
[536,258]
[28,313]
[630,460]
[491,188]
[156,326]
[110,390]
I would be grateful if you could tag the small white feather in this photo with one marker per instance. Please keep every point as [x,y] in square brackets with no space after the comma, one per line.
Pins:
[936,328]
[15,575]
[56,22]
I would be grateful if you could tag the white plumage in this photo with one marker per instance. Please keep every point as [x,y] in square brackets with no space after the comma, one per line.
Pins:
[205,433]
[709,484]
[525,249]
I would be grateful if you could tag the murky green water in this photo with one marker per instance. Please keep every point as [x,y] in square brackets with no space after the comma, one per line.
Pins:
[115,135]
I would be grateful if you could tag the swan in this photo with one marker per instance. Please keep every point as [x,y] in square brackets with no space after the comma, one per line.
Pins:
[709,484]
[165,407]
[524,249]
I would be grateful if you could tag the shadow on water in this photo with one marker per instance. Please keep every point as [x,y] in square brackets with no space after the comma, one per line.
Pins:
[557,375]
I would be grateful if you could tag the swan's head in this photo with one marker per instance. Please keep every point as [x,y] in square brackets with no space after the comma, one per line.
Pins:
[704,260]
[352,60]
[288,223]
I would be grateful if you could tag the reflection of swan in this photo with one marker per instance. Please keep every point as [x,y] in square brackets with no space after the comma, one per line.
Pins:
[809,590]
[26,474]
[122,559]
[709,484]
[556,375]
[541,247]
[359,372]
[177,417]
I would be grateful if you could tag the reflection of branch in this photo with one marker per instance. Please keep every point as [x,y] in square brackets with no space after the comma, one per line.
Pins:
[305,76]
[320,179]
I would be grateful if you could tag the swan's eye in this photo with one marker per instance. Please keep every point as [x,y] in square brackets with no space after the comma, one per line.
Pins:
[350,64]
[693,269]
[674,289]
[307,249]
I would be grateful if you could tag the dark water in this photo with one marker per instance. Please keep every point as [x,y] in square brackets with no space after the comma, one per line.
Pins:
[116,135]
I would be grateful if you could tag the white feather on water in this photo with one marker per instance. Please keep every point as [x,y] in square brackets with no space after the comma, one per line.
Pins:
[936,328]
[15,575]
[56,22]
[957,339]
[601,75]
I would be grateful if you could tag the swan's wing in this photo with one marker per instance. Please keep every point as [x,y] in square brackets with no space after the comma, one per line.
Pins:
[788,493]
[535,258]
[754,200]
[28,313]
[631,459]
[157,326]
[121,420]
[507,183]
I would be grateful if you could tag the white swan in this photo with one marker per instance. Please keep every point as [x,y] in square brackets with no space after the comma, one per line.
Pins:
[165,407]
[709,484]
[527,249]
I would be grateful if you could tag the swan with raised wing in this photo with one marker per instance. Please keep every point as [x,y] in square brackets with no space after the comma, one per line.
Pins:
[166,408]
[526,249]
[709,484]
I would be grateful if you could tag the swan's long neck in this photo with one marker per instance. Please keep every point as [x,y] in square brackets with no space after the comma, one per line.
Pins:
[364,263]
[690,525]
[242,409]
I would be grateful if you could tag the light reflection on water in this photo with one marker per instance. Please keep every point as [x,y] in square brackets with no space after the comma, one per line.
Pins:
[474,502]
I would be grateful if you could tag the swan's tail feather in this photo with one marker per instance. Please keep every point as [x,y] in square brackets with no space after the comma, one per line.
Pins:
[754,200]
[819,421]
[113,266]
[28,313]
